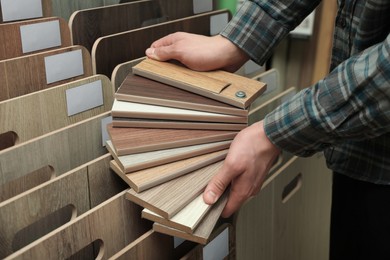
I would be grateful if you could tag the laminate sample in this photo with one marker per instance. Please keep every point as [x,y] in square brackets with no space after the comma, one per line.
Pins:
[109,51]
[137,140]
[139,161]
[32,163]
[13,46]
[169,198]
[41,112]
[138,110]
[203,231]
[87,25]
[98,226]
[143,90]
[151,177]
[122,70]
[220,85]
[27,74]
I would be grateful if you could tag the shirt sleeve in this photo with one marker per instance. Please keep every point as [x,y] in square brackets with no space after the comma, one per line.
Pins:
[352,102]
[259,25]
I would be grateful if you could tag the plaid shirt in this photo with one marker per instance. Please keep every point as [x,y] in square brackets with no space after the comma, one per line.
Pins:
[347,114]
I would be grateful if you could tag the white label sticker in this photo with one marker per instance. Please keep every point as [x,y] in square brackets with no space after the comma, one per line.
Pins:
[218,248]
[13,10]
[218,23]
[64,66]
[40,36]
[105,136]
[202,6]
[85,97]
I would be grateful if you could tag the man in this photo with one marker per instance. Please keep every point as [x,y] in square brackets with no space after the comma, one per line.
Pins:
[346,115]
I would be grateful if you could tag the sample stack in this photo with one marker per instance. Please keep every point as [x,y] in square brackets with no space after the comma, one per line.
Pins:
[170,133]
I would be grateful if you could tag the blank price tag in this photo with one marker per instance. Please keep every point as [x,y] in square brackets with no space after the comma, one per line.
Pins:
[218,23]
[202,6]
[85,97]
[64,66]
[13,10]
[218,248]
[40,36]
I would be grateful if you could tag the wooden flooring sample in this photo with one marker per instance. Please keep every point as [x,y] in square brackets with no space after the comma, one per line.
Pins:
[143,90]
[137,140]
[219,85]
[12,47]
[169,198]
[122,70]
[174,124]
[87,25]
[145,111]
[139,161]
[151,177]
[109,51]
[27,74]
[205,228]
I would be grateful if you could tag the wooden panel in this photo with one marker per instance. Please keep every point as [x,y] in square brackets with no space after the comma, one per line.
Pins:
[27,74]
[139,161]
[169,198]
[99,225]
[136,140]
[151,245]
[203,231]
[151,177]
[46,11]
[219,85]
[121,71]
[137,110]
[143,90]
[79,143]
[109,51]
[23,116]
[12,47]
[89,24]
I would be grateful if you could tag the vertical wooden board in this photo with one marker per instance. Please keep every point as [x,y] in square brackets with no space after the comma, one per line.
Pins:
[34,208]
[65,9]
[121,71]
[27,74]
[115,231]
[109,51]
[87,25]
[12,47]
[175,9]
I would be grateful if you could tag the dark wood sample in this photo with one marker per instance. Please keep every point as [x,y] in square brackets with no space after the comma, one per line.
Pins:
[143,90]
[137,140]
[109,51]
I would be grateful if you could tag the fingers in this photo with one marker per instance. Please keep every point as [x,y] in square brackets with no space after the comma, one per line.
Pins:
[163,49]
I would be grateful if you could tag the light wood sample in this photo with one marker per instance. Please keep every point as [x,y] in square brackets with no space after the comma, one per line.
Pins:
[143,90]
[169,198]
[12,47]
[41,112]
[99,224]
[219,85]
[29,164]
[151,177]
[87,25]
[109,51]
[139,161]
[27,74]
[138,110]
[122,70]
[203,231]
[137,140]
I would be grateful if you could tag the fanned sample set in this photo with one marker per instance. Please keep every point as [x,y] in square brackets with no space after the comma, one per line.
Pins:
[170,133]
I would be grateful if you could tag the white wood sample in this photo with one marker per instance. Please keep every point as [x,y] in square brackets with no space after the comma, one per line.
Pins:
[64,66]
[13,10]
[40,36]
[85,97]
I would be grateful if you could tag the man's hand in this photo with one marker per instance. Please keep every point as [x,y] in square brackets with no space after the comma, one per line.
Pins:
[250,157]
[202,53]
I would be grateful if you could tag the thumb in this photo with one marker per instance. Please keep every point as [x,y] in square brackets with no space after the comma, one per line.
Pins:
[217,185]
[162,53]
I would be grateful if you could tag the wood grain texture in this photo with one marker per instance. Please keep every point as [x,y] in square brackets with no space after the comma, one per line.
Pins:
[122,70]
[151,177]
[142,90]
[27,74]
[145,111]
[202,82]
[169,198]
[87,25]
[98,224]
[151,245]
[203,231]
[79,143]
[137,140]
[12,47]
[139,161]
[28,120]
[109,51]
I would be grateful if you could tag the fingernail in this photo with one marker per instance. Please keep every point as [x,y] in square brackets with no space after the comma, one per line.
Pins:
[150,52]
[211,197]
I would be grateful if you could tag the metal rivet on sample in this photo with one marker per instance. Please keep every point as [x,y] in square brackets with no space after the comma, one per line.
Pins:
[240,94]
